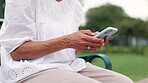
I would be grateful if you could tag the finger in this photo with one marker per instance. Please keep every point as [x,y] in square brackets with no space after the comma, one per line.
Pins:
[106,39]
[83,48]
[86,32]
[93,40]
[96,33]
[94,49]
[90,44]
[102,45]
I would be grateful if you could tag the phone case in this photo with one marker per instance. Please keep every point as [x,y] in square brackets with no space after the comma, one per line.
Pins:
[106,32]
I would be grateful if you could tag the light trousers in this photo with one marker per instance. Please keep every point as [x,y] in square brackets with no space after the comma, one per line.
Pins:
[91,74]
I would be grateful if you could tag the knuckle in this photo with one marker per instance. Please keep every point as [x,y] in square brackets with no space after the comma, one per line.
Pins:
[82,43]
[79,43]
[88,30]
[93,45]
[83,37]
[96,45]
[98,40]
[81,30]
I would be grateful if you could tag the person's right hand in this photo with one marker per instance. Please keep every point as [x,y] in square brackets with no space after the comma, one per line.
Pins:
[82,39]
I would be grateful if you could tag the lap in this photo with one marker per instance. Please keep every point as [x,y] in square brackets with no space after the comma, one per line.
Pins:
[59,76]
[91,74]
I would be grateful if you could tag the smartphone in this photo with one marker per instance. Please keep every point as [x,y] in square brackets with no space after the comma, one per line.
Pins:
[109,31]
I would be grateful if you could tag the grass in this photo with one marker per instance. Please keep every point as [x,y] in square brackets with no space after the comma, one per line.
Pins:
[131,65]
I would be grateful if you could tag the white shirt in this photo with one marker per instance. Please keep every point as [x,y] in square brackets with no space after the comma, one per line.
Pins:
[38,20]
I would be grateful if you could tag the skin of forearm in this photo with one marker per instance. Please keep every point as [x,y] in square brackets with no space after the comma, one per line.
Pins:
[33,49]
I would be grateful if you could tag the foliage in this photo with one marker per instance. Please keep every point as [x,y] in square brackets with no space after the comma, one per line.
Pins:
[1,8]
[110,15]
[106,15]
[133,27]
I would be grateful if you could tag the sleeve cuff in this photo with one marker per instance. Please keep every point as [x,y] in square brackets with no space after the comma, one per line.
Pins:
[11,44]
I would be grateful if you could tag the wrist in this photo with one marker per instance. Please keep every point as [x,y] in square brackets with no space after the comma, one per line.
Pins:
[58,43]
[65,42]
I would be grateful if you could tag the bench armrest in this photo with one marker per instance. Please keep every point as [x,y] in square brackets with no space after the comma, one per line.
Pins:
[106,60]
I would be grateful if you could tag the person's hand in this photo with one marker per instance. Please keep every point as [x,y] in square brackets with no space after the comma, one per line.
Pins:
[93,34]
[83,39]
[105,39]
[102,45]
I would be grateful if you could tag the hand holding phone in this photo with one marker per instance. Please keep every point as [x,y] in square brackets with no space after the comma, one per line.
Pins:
[106,32]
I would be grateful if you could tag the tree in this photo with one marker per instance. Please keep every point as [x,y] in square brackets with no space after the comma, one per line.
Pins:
[106,15]
[111,15]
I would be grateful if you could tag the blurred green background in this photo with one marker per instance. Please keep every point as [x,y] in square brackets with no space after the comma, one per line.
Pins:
[128,49]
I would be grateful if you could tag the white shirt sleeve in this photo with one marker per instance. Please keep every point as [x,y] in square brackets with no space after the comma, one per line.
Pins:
[19,24]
